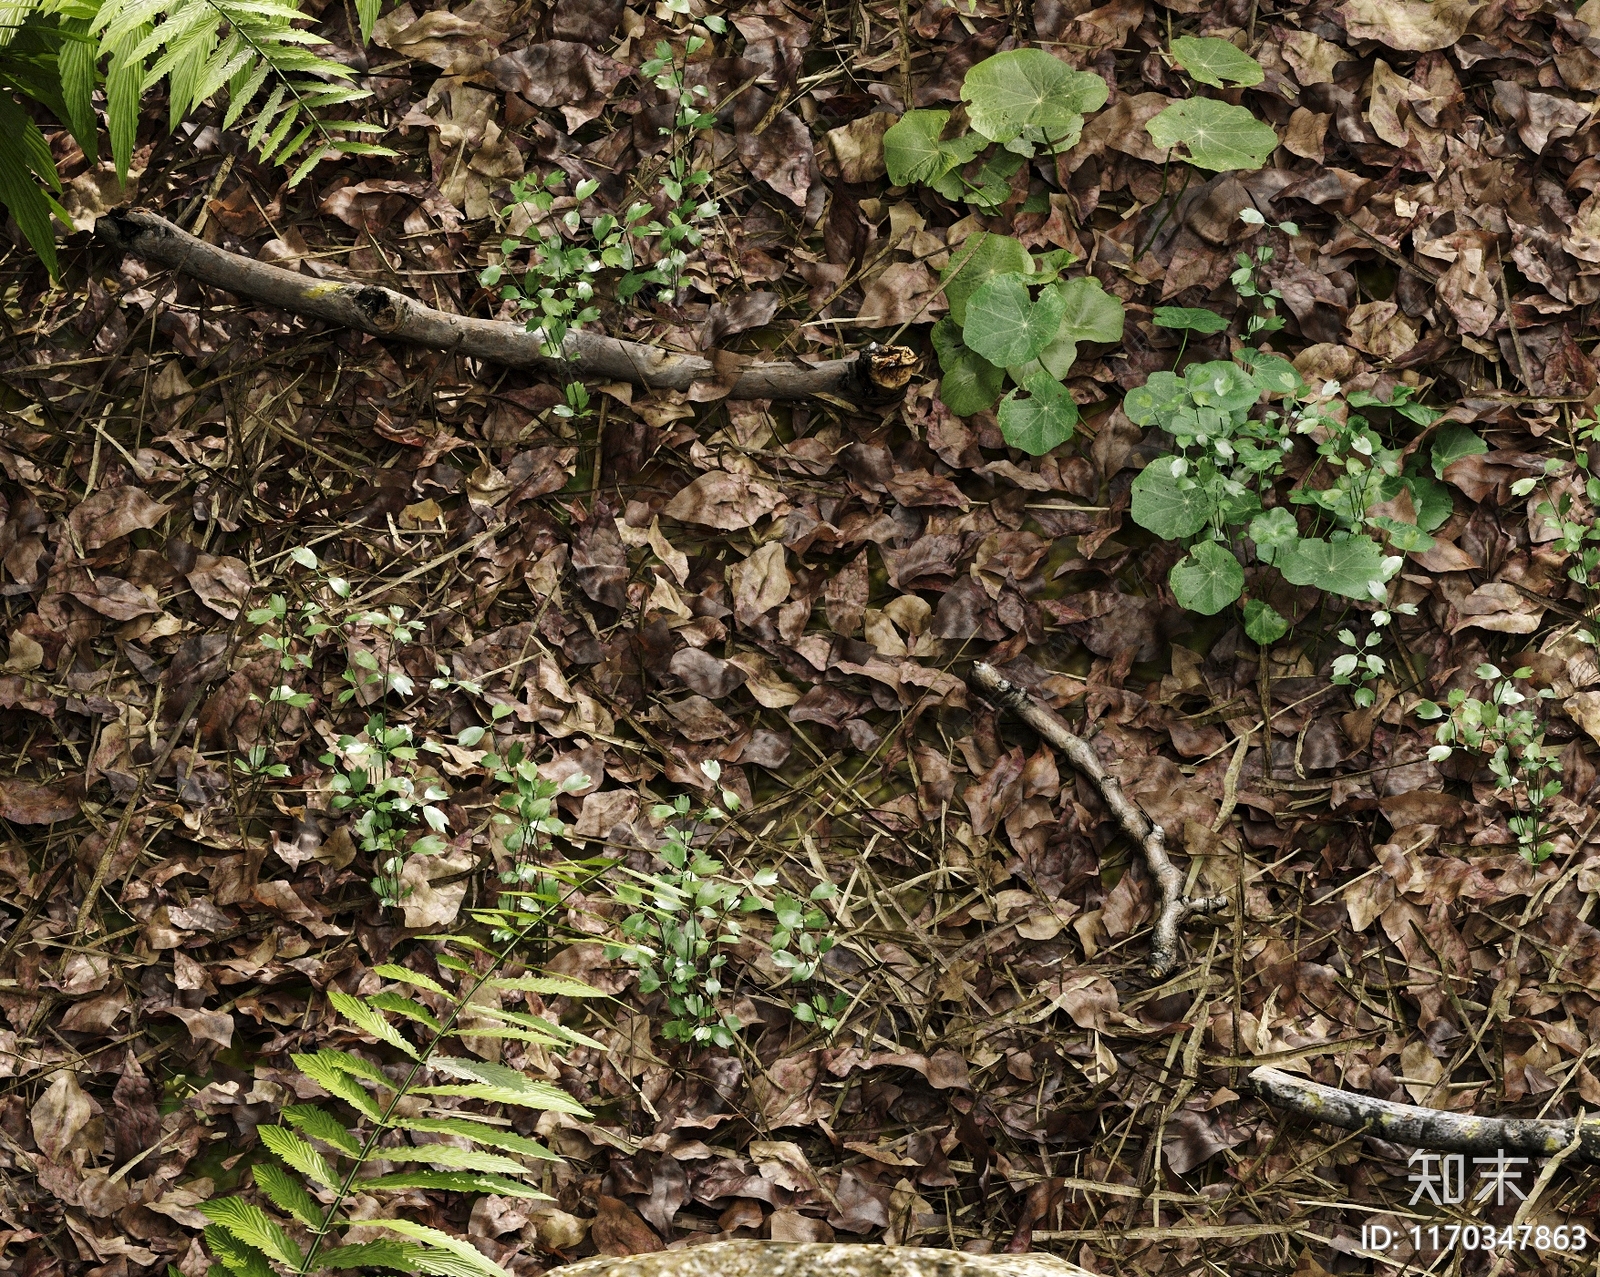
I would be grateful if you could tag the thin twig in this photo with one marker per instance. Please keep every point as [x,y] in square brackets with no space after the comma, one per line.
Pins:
[1152,839]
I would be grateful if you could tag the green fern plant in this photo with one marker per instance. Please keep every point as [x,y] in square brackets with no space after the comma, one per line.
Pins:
[56,53]
[326,1149]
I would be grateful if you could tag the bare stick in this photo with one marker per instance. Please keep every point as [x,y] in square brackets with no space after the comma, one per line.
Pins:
[1422,1127]
[821,1259]
[1152,839]
[386,313]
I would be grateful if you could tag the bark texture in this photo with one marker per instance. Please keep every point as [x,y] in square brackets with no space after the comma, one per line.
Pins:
[820,1259]
[1152,840]
[1422,1127]
[876,373]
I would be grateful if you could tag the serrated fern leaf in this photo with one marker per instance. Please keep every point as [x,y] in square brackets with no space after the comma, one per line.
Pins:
[288,1194]
[405,975]
[254,1227]
[478,1132]
[235,1255]
[21,169]
[549,986]
[442,1247]
[453,1158]
[322,1126]
[337,1082]
[457,1182]
[368,1020]
[402,1005]
[401,1255]
[530,1094]
[298,1154]
[537,1024]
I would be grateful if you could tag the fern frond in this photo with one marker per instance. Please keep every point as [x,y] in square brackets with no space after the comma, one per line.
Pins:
[549,986]
[558,1034]
[472,1262]
[322,1126]
[478,1132]
[457,1182]
[452,1158]
[499,1085]
[24,161]
[298,1154]
[369,1021]
[254,1227]
[287,1194]
[402,1005]
[401,1255]
[405,975]
[234,1255]
[338,1083]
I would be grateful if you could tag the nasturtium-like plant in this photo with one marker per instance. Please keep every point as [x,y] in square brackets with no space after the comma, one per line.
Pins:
[1228,454]
[1019,102]
[1217,135]
[1216,62]
[1013,316]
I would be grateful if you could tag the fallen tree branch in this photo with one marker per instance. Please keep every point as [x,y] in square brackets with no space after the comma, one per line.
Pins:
[820,1259]
[1422,1127]
[1175,907]
[875,373]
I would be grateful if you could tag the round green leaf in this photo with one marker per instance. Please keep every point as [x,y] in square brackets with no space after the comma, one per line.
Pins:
[975,260]
[1218,136]
[970,383]
[912,151]
[1091,314]
[1042,421]
[1162,502]
[1007,326]
[1195,318]
[1453,442]
[1029,88]
[1221,384]
[1262,623]
[1216,62]
[1344,567]
[1143,405]
[1207,580]
[1273,531]
[1273,373]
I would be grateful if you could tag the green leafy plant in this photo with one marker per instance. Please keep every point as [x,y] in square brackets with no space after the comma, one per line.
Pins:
[405,1087]
[1018,103]
[1012,315]
[554,271]
[1578,534]
[1216,135]
[687,918]
[1359,666]
[1233,422]
[1508,737]
[61,54]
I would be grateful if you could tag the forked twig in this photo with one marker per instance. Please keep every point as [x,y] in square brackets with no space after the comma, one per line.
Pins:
[1152,839]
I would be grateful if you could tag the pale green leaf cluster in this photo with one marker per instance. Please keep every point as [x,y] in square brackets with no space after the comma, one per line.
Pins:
[323,1151]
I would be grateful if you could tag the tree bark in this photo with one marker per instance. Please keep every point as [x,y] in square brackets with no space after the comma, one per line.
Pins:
[876,373]
[1422,1127]
[1175,906]
[820,1259]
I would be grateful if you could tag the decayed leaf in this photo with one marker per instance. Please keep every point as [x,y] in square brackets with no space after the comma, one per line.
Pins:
[1413,25]
[718,499]
[60,1114]
[110,515]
